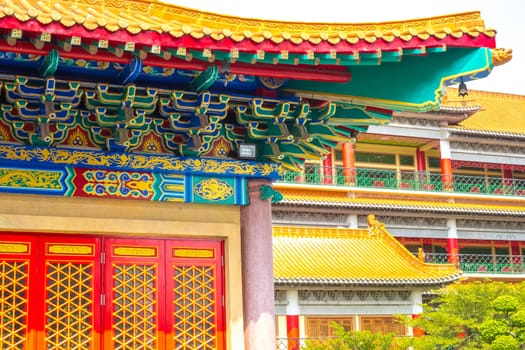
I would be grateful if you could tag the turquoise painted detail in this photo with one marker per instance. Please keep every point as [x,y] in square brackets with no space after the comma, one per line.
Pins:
[68,181]
[268,192]
[168,187]
[213,190]
[49,64]
[414,84]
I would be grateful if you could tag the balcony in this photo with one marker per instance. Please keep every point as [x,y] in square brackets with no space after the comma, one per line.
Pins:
[405,180]
[482,263]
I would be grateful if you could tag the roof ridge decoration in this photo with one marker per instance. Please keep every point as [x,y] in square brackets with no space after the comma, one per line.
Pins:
[501,56]
[142,16]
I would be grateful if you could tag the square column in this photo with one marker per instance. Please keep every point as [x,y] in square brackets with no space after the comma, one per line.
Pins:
[257,269]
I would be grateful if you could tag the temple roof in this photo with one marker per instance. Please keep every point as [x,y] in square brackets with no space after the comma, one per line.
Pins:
[499,112]
[148,77]
[347,257]
[142,20]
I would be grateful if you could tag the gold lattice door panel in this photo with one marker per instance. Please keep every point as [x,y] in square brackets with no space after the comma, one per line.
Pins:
[71,296]
[15,309]
[134,317]
[194,286]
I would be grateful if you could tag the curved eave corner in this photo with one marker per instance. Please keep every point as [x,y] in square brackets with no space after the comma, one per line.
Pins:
[419,81]
[351,257]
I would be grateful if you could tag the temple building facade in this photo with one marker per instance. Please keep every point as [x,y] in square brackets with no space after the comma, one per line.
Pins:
[140,145]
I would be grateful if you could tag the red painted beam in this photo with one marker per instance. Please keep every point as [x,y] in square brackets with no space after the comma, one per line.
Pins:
[334,74]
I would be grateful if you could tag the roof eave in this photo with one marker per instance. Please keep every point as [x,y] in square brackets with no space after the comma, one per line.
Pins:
[352,283]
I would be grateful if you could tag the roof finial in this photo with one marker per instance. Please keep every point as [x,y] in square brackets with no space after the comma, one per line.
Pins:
[375,227]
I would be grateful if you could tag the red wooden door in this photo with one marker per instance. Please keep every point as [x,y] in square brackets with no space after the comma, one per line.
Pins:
[82,292]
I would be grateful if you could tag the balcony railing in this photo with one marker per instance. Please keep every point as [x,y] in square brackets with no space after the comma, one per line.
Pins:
[325,343]
[300,343]
[482,263]
[405,180]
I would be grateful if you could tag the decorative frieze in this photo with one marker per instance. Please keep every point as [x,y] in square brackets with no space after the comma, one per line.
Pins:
[308,218]
[346,296]
[477,146]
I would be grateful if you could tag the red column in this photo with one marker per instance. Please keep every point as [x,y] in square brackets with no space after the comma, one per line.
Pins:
[417,332]
[446,164]
[515,250]
[453,250]
[348,163]
[507,180]
[328,171]
[292,319]
[446,174]
[257,270]
[292,331]
[420,160]
[421,170]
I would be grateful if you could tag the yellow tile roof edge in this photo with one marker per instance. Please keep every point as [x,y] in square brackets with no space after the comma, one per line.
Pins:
[414,203]
[137,16]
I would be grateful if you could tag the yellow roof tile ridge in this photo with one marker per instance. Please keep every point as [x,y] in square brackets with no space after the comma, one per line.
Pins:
[378,228]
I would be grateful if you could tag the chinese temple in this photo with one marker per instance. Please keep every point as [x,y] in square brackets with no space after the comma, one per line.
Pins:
[139,142]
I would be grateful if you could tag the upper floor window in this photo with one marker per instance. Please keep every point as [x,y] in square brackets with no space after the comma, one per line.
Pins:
[321,327]
[383,325]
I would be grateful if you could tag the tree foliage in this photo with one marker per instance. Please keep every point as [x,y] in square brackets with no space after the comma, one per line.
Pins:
[356,340]
[476,315]
[463,316]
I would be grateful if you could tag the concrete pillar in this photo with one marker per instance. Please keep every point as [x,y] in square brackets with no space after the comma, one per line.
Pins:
[452,242]
[417,309]
[292,319]
[352,221]
[257,270]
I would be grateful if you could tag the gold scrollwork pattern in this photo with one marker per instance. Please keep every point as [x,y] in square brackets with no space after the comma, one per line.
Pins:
[137,162]
[214,189]
[29,178]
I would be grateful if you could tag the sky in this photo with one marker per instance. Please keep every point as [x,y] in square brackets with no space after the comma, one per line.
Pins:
[506,16]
